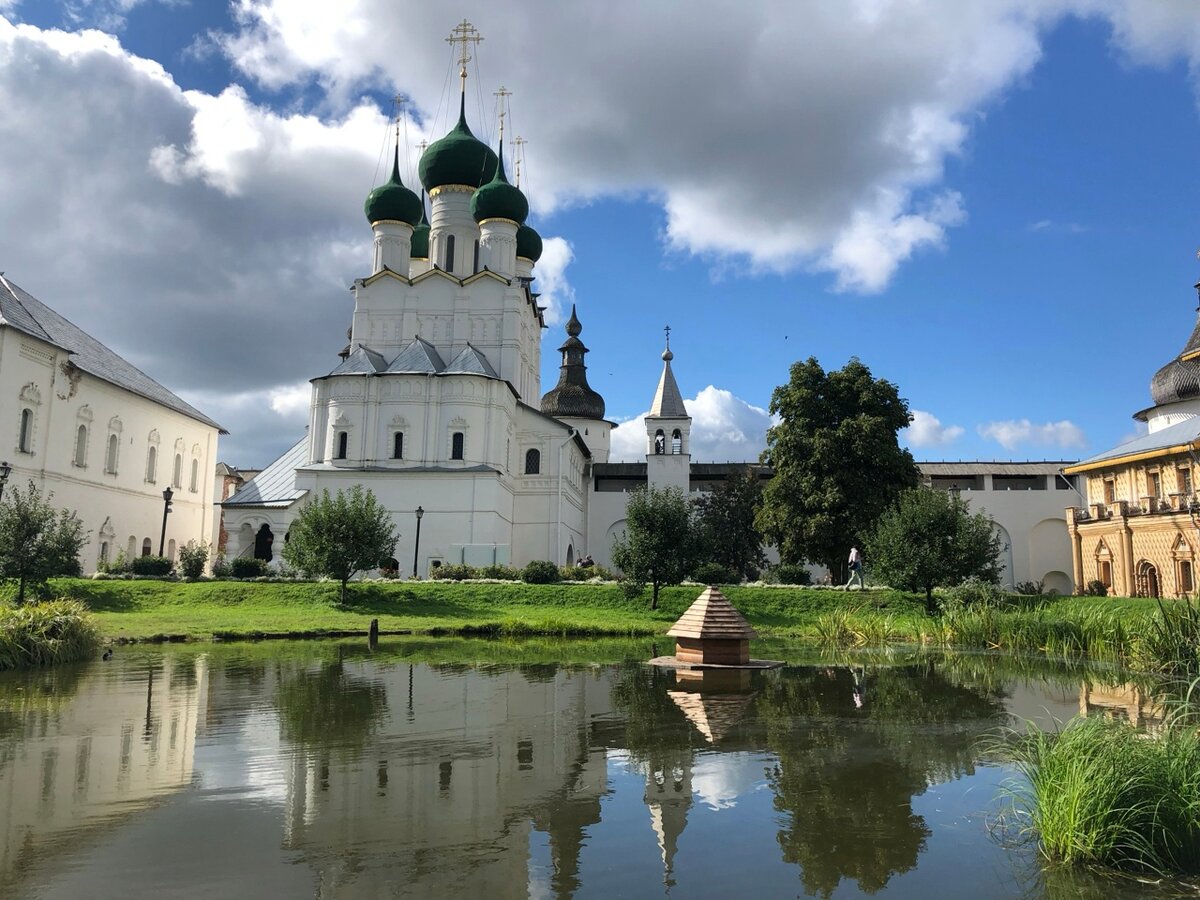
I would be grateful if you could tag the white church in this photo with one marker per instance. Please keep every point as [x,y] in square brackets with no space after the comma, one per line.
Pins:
[437,403]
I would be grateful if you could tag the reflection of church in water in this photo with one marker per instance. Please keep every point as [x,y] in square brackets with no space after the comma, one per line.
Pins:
[437,401]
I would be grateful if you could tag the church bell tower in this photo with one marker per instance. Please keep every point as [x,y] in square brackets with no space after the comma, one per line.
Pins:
[668,432]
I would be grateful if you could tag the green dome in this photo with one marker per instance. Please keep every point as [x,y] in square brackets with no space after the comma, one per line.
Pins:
[420,236]
[529,243]
[458,158]
[498,199]
[393,200]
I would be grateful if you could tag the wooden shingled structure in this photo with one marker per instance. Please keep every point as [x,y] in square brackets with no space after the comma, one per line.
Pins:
[712,632]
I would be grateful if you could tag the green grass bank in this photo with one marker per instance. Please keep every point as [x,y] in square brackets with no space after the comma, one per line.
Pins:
[140,610]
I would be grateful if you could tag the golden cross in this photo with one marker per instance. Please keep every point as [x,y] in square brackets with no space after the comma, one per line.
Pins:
[668,332]
[421,145]
[466,34]
[502,96]
[518,154]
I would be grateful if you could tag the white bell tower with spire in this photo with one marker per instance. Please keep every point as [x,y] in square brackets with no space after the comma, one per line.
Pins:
[668,431]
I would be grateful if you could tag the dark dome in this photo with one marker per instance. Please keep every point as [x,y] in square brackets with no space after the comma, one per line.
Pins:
[393,201]
[420,236]
[458,158]
[529,243]
[1180,378]
[498,199]
[572,397]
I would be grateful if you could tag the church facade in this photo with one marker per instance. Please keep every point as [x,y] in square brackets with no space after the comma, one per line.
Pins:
[1138,530]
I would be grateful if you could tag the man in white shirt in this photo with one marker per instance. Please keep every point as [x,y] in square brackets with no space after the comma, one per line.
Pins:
[855,569]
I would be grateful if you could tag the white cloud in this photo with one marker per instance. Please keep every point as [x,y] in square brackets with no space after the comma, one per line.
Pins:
[1013,433]
[927,430]
[556,292]
[725,428]
[1050,225]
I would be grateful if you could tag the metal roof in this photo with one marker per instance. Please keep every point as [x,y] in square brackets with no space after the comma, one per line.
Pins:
[1176,435]
[668,402]
[275,485]
[361,362]
[977,467]
[470,361]
[418,357]
[24,312]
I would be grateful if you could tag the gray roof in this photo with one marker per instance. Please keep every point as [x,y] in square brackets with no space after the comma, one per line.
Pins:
[979,467]
[470,362]
[1184,432]
[418,357]
[276,484]
[361,362]
[25,313]
[668,402]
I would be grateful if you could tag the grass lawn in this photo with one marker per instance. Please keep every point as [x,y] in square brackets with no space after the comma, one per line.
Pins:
[147,609]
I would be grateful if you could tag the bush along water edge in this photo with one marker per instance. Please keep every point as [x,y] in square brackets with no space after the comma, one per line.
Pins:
[48,633]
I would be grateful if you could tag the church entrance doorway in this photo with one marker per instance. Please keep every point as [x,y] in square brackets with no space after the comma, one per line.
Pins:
[1147,579]
[262,543]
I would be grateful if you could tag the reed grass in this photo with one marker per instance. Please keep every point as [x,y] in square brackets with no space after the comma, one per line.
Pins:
[44,634]
[1101,792]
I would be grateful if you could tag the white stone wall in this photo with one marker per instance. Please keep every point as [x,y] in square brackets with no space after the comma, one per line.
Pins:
[123,507]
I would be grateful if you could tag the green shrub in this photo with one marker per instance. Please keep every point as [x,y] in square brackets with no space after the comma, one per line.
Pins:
[1030,588]
[119,566]
[715,573]
[192,557]
[46,633]
[221,568]
[975,592]
[540,571]
[150,565]
[787,573]
[500,573]
[632,589]
[248,567]
[1096,588]
[453,573]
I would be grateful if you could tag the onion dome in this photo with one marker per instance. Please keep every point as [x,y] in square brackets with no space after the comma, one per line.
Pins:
[498,199]
[457,158]
[1180,378]
[393,201]
[572,397]
[529,243]
[420,236]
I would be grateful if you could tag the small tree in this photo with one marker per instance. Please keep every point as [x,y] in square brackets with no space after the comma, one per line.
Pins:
[37,541]
[340,536]
[930,539]
[725,522]
[658,545]
[192,557]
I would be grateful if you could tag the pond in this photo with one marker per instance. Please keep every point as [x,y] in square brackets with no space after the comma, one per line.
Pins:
[458,768]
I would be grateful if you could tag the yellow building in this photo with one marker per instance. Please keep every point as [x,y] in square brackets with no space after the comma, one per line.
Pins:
[1139,531]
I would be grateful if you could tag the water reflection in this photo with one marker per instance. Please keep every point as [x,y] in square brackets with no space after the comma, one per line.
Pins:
[340,772]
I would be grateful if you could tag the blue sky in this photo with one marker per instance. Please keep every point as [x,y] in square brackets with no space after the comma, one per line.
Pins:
[1019,260]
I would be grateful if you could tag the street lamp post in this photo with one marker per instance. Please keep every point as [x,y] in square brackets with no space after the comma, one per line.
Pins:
[417,543]
[162,538]
[5,471]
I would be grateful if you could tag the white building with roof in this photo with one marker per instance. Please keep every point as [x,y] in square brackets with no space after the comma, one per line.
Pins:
[78,420]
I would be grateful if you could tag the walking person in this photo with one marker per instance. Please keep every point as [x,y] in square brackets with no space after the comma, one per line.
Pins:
[855,569]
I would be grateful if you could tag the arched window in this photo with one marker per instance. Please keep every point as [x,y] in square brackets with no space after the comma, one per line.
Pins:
[676,441]
[456,446]
[177,478]
[146,547]
[110,461]
[448,261]
[25,438]
[533,462]
[343,441]
[195,483]
[171,549]
[81,446]
[660,443]
[398,445]
[1185,576]
[104,551]
[152,465]
[476,264]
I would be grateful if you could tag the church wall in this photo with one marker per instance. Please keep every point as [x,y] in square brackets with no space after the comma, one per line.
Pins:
[112,506]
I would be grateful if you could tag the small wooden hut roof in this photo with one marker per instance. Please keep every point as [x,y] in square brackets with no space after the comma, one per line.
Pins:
[712,616]
[713,716]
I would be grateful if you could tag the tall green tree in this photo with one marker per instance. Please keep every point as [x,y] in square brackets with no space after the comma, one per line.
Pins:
[931,539]
[725,522]
[837,460]
[37,540]
[340,536]
[658,546]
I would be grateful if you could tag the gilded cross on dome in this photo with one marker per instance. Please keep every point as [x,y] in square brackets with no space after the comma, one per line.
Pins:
[464,33]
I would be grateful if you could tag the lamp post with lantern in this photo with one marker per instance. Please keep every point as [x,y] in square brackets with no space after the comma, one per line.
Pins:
[162,538]
[417,543]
